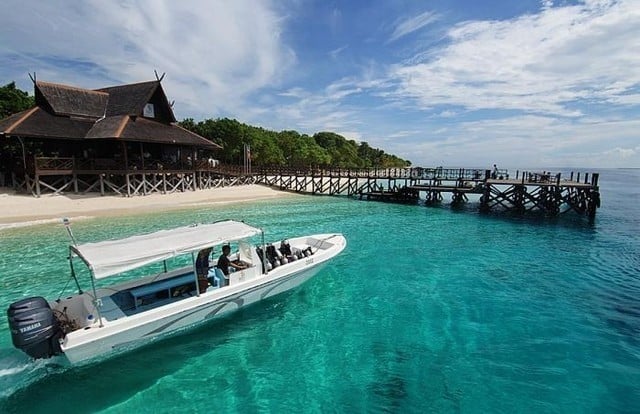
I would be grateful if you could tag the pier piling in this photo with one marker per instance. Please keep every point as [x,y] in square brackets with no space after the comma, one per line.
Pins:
[526,192]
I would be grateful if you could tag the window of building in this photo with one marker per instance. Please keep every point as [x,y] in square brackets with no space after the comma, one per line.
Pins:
[149,111]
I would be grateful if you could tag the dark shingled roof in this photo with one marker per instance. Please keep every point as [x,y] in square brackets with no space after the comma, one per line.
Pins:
[108,127]
[142,129]
[145,130]
[41,124]
[11,120]
[131,99]
[66,112]
[67,100]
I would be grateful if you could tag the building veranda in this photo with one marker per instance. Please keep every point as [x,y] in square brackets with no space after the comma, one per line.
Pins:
[122,139]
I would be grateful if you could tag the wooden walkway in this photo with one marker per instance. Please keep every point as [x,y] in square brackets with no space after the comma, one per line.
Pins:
[544,192]
[551,194]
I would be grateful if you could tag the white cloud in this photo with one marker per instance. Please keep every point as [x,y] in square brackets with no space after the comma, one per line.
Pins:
[215,53]
[542,63]
[546,4]
[524,142]
[551,88]
[334,54]
[412,24]
[623,153]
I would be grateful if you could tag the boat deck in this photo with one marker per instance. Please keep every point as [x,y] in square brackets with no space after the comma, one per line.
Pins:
[138,299]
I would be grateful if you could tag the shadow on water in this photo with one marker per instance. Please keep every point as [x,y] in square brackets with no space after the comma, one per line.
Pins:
[389,383]
[567,220]
[110,381]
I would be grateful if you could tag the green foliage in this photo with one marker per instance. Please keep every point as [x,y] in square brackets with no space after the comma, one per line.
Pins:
[290,148]
[269,148]
[343,152]
[14,100]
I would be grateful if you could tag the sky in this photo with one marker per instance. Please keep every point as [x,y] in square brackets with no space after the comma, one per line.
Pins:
[454,83]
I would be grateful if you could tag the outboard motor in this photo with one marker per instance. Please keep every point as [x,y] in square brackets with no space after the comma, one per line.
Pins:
[34,328]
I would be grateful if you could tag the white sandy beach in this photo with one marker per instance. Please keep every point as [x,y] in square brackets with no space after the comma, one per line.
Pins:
[17,210]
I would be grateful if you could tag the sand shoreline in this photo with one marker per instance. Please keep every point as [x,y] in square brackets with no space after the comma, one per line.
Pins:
[20,210]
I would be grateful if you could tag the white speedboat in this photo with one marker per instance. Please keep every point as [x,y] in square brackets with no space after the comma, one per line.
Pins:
[109,319]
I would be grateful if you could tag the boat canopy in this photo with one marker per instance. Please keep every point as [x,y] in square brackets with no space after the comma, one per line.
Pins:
[111,257]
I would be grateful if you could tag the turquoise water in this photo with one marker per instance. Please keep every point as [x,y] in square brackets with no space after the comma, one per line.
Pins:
[427,310]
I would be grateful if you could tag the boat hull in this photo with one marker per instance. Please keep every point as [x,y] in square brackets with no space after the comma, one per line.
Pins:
[134,331]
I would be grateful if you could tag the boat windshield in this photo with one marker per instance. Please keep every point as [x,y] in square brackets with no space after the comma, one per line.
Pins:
[111,257]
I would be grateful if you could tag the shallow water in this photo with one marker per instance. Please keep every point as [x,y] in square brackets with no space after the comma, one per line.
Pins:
[427,310]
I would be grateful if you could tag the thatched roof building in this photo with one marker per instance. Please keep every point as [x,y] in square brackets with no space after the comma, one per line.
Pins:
[137,112]
[117,137]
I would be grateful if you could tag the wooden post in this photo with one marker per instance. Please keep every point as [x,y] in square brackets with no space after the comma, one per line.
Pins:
[144,180]
[126,159]
[74,176]
[142,158]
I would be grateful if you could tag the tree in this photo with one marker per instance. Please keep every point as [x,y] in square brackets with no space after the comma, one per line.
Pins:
[14,100]
[264,148]
[290,148]
[343,153]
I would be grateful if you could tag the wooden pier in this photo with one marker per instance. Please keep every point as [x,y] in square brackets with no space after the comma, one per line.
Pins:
[547,193]
[551,194]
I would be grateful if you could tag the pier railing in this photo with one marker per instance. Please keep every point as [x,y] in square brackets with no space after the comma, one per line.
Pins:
[68,165]
[550,192]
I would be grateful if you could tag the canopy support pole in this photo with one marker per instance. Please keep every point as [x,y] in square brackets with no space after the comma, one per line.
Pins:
[96,301]
[195,273]
[73,272]
[265,269]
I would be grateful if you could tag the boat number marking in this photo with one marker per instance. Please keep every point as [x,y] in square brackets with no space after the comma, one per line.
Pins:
[308,261]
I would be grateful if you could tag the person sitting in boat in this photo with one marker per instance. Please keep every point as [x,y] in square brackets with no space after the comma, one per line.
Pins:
[224,262]
[202,269]
[273,256]
[285,249]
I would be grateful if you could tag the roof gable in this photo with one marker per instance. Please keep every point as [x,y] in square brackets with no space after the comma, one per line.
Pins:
[132,99]
[69,101]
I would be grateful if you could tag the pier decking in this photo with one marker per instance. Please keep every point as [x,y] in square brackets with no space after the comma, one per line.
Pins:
[543,192]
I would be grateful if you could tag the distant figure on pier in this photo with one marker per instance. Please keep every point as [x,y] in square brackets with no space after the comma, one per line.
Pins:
[494,175]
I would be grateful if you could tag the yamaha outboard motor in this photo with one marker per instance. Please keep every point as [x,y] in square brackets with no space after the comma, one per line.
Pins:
[34,328]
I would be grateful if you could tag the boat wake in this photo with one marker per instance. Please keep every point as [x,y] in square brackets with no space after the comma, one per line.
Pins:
[19,224]
[12,371]
[18,374]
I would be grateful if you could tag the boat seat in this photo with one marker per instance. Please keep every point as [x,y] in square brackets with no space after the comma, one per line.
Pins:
[221,278]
